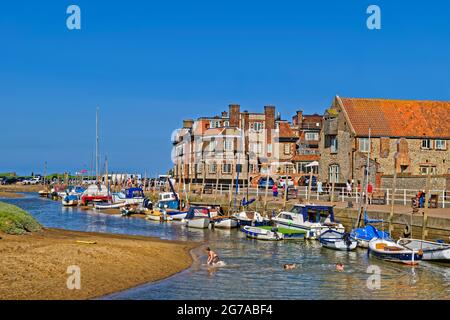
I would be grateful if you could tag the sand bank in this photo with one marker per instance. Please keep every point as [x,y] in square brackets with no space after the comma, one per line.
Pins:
[35,266]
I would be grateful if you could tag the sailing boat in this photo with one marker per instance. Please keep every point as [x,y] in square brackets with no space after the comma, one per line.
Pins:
[97,192]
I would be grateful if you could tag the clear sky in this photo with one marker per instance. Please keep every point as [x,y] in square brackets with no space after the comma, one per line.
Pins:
[149,64]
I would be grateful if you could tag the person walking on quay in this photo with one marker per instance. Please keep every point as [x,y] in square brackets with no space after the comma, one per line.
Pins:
[275,190]
[319,187]
[349,188]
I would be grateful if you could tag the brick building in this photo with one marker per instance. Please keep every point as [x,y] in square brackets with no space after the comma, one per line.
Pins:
[213,148]
[409,137]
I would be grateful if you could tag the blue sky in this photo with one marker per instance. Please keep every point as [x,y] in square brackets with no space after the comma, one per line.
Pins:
[149,64]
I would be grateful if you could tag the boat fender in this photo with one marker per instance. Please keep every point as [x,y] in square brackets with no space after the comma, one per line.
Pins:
[420,253]
[407,231]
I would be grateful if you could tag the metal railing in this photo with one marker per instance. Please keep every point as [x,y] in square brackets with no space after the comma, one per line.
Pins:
[401,197]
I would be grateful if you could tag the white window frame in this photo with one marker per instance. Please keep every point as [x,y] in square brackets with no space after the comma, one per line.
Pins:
[333,173]
[213,168]
[440,144]
[315,136]
[225,168]
[214,124]
[258,126]
[228,145]
[269,148]
[212,145]
[287,149]
[427,145]
[364,144]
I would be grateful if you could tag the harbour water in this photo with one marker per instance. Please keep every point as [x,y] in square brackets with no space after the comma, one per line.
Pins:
[254,268]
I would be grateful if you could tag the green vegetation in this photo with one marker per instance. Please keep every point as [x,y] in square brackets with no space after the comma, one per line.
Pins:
[14,220]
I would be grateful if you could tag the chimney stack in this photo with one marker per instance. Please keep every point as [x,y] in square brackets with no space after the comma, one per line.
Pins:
[299,118]
[188,123]
[269,112]
[235,110]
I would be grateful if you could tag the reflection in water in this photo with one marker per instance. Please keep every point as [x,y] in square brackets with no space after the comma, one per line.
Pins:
[254,268]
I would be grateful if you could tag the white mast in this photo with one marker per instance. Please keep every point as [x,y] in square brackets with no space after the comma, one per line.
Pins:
[96,146]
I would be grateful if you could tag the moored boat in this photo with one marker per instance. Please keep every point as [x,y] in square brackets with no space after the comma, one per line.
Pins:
[251,218]
[333,239]
[432,251]
[225,223]
[262,234]
[364,235]
[198,218]
[390,251]
[71,200]
[129,196]
[314,219]
[96,193]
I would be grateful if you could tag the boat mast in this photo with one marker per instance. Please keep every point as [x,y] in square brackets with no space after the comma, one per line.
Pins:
[96,146]
[368,170]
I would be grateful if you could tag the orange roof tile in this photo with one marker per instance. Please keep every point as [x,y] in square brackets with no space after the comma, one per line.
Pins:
[398,118]
[286,131]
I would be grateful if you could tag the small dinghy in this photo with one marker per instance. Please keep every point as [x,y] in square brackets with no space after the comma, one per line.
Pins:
[225,223]
[106,206]
[262,234]
[433,251]
[157,215]
[390,251]
[333,239]
[369,232]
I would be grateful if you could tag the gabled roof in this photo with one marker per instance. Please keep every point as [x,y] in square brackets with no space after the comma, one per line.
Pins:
[398,118]
[286,131]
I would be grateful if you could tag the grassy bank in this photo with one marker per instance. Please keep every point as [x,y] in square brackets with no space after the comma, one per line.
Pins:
[14,220]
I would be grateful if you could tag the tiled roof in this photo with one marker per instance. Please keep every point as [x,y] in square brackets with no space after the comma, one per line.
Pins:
[398,118]
[286,131]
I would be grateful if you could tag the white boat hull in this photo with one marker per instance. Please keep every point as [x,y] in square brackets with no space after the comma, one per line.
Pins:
[432,251]
[179,216]
[378,248]
[109,206]
[226,224]
[340,245]
[198,223]
[70,203]
[262,234]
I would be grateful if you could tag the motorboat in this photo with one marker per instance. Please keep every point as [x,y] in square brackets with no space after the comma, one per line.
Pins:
[70,200]
[96,193]
[198,218]
[251,218]
[333,239]
[129,196]
[388,250]
[432,251]
[225,223]
[314,219]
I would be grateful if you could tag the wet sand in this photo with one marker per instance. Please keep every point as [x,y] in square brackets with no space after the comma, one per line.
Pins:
[35,266]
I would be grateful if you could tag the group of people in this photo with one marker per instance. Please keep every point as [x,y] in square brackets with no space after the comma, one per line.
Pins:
[419,200]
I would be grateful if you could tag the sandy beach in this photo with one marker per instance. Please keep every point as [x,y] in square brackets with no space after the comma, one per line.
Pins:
[35,266]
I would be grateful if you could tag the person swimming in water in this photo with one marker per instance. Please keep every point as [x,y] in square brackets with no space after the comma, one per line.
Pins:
[340,267]
[290,266]
[213,258]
